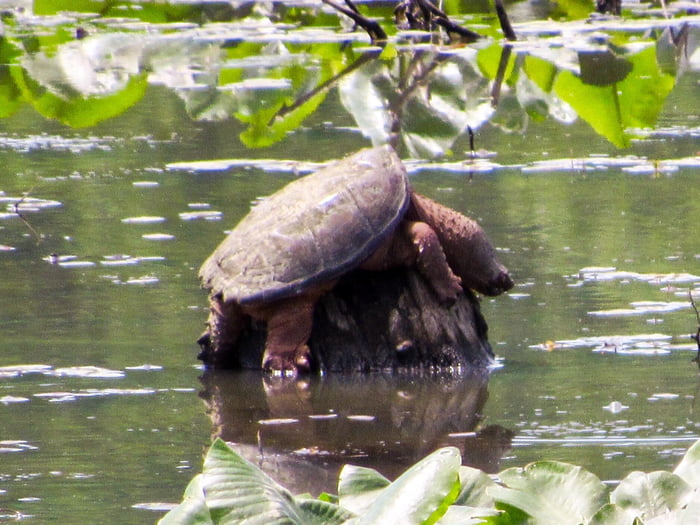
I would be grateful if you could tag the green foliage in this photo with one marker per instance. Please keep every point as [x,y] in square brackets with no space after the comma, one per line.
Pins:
[613,109]
[153,11]
[575,9]
[439,490]
[270,71]
[79,112]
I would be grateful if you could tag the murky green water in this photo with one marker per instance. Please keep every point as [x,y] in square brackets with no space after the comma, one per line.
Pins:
[105,411]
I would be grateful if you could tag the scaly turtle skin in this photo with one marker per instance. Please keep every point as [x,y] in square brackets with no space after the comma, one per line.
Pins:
[359,212]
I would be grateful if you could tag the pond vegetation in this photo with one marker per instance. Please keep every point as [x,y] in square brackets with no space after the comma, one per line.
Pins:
[438,489]
[133,134]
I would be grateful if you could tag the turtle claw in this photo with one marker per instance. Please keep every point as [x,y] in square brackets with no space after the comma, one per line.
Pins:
[288,364]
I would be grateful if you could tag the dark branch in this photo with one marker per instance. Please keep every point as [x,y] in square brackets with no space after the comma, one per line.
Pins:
[373,29]
[696,337]
[503,19]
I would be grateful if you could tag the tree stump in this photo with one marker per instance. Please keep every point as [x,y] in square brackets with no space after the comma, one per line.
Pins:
[370,321]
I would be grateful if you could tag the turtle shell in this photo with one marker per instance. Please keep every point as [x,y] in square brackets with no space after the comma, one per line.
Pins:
[312,230]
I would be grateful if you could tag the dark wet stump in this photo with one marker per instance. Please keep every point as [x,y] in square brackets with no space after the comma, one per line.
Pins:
[379,321]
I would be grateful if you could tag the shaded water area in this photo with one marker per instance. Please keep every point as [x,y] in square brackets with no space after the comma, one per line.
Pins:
[104,222]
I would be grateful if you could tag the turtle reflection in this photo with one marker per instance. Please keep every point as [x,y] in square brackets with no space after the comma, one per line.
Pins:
[301,433]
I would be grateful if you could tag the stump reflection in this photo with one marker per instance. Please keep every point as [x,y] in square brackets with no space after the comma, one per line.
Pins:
[302,432]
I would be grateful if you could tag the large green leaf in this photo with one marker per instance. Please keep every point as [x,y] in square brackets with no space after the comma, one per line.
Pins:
[236,490]
[323,513]
[358,487]
[576,8]
[421,495]
[488,60]
[193,509]
[272,114]
[540,71]
[643,92]
[615,110]
[552,492]
[52,7]
[154,11]
[611,514]
[651,495]
[463,515]
[689,467]
[78,111]
[266,127]
[474,488]
[10,95]
[233,490]
[597,105]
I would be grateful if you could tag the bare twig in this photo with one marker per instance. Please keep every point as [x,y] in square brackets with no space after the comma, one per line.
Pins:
[325,86]
[696,336]
[23,219]
[434,14]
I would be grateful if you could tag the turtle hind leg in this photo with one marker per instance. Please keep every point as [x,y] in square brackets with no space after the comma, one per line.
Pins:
[218,341]
[289,324]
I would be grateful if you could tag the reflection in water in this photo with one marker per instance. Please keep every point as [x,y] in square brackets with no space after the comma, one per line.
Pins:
[302,432]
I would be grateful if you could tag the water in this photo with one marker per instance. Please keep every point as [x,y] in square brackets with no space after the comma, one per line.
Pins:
[106,413]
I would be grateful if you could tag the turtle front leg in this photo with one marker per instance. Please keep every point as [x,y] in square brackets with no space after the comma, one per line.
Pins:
[415,244]
[431,261]
[289,324]
[467,248]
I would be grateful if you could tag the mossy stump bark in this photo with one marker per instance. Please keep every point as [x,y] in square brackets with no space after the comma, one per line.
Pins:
[371,321]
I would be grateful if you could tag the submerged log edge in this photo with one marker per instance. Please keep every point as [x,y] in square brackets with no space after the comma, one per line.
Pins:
[379,321]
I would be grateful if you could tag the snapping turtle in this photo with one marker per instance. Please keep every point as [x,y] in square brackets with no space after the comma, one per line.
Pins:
[359,212]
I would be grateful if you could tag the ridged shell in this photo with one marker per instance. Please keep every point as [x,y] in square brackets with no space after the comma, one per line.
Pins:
[312,230]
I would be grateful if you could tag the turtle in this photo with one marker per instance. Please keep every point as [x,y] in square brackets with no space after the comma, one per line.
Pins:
[293,246]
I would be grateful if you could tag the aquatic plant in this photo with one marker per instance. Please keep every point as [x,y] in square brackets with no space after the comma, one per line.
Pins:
[438,489]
